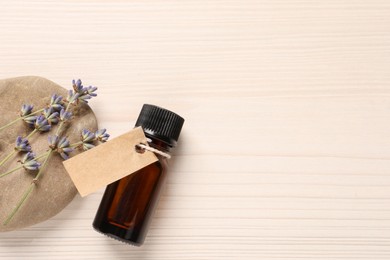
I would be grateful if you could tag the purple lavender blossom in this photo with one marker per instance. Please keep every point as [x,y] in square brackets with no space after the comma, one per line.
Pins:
[53,140]
[72,97]
[87,136]
[41,124]
[51,116]
[78,86]
[65,115]
[101,135]
[84,94]
[56,102]
[84,98]
[26,110]
[91,91]
[29,162]
[88,146]
[63,148]
[22,145]
[30,120]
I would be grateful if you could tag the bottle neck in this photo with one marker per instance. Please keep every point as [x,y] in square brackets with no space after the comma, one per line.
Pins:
[158,144]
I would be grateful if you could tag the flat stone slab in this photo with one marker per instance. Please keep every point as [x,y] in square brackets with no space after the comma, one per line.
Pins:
[55,189]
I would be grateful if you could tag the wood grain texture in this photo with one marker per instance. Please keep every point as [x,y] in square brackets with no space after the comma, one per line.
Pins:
[285,153]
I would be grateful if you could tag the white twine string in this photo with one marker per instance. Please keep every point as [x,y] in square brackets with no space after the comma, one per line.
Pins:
[154,150]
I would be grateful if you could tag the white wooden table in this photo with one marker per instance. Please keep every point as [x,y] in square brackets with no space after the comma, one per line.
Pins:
[285,153]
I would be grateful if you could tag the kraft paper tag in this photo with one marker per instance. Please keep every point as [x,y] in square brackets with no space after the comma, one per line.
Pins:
[108,162]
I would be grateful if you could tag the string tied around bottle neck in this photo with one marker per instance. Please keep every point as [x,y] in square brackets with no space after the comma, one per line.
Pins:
[154,150]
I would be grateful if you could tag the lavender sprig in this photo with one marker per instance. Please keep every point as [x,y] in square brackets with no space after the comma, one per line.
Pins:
[26,110]
[88,139]
[21,145]
[28,162]
[84,93]
[26,114]
[101,135]
[57,144]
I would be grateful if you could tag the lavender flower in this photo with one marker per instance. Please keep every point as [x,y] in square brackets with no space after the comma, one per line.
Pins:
[22,145]
[101,135]
[26,110]
[87,139]
[41,124]
[78,86]
[88,146]
[72,97]
[30,120]
[56,102]
[91,91]
[53,140]
[29,163]
[65,115]
[51,116]
[84,98]
[87,136]
[84,93]
[63,148]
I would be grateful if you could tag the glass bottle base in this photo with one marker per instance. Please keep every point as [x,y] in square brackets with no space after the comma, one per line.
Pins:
[117,237]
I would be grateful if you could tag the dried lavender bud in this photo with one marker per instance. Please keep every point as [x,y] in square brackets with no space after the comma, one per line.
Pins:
[41,124]
[87,136]
[84,98]
[30,120]
[26,110]
[101,135]
[78,86]
[91,91]
[84,93]
[51,116]
[65,115]
[87,146]
[29,163]
[22,145]
[56,102]
[72,97]
[63,148]
[53,140]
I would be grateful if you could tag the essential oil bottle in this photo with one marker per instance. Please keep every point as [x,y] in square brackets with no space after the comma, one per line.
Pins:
[128,204]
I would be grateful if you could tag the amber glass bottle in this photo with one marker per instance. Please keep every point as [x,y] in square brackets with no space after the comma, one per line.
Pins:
[128,204]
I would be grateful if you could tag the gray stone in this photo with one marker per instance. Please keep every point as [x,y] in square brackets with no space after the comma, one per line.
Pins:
[55,190]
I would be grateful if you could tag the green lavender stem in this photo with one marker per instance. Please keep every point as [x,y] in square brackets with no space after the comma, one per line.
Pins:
[11,171]
[10,123]
[7,157]
[20,118]
[20,204]
[28,192]
[31,134]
